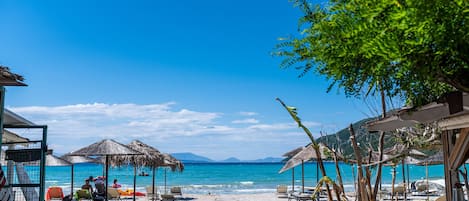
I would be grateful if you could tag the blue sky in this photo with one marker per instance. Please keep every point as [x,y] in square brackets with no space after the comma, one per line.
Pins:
[183,76]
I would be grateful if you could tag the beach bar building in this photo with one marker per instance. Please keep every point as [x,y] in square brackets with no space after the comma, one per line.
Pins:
[451,115]
[24,175]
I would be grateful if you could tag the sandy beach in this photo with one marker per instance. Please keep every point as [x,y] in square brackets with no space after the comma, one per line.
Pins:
[258,197]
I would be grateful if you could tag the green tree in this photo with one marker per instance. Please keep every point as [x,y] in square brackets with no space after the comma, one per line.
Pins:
[417,50]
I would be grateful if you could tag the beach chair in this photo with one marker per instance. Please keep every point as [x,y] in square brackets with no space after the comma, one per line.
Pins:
[168,197]
[54,193]
[422,187]
[113,194]
[83,194]
[150,194]
[282,191]
[176,191]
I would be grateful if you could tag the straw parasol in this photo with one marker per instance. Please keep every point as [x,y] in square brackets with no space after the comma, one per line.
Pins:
[173,163]
[151,157]
[105,148]
[289,155]
[307,153]
[77,159]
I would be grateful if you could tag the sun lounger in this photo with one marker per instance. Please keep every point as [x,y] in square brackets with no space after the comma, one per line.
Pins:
[176,191]
[167,197]
[113,194]
[54,193]
[282,191]
[84,194]
[300,196]
[152,194]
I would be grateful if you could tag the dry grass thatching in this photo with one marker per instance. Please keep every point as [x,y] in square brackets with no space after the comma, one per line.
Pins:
[7,78]
[52,160]
[151,157]
[79,159]
[105,148]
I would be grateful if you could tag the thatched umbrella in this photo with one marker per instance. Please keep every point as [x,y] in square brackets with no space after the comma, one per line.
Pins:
[306,154]
[151,157]
[289,155]
[105,148]
[77,159]
[173,163]
[52,160]
[405,151]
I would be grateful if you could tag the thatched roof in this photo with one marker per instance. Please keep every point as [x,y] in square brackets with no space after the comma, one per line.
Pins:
[79,159]
[404,150]
[12,119]
[7,78]
[151,157]
[292,152]
[433,159]
[105,148]
[52,160]
[10,137]
[173,163]
[306,153]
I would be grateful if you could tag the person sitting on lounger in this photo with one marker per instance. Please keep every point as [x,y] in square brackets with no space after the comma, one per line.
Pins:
[87,186]
[115,184]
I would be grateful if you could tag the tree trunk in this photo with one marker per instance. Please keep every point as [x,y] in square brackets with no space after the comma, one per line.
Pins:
[323,171]
[339,175]
[361,188]
[380,165]
[368,177]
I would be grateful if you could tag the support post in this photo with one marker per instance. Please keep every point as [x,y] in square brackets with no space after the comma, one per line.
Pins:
[42,180]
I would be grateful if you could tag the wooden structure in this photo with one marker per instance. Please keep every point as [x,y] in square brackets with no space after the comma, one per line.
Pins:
[451,113]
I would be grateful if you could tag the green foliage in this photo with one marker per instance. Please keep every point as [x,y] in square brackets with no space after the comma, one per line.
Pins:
[413,49]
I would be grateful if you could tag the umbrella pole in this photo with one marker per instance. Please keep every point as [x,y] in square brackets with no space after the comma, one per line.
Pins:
[302,176]
[71,189]
[403,178]
[408,176]
[153,184]
[107,172]
[317,177]
[426,174]
[293,180]
[135,179]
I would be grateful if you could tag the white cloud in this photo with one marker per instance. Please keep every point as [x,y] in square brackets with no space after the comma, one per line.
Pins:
[246,121]
[73,126]
[248,113]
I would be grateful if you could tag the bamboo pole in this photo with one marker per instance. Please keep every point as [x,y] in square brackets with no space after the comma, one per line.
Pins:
[403,178]
[393,181]
[361,188]
[339,175]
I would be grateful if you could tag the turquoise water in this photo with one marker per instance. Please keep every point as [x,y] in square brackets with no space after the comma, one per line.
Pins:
[219,178]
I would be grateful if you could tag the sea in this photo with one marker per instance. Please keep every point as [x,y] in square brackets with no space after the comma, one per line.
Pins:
[227,178]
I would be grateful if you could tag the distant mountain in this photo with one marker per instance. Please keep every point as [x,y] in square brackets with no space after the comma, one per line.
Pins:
[231,160]
[268,160]
[188,157]
[191,158]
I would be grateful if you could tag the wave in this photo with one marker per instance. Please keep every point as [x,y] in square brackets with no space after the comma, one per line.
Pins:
[246,183]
